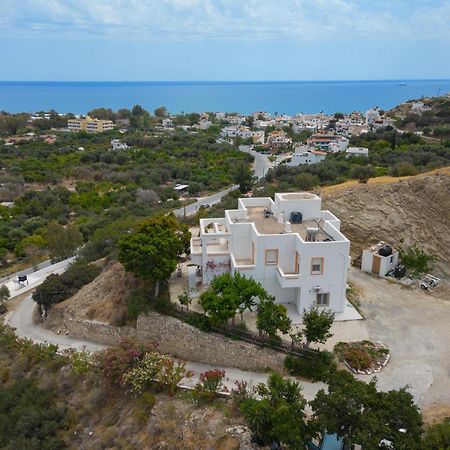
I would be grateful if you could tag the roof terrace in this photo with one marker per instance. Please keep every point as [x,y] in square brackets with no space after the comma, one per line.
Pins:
[267,223]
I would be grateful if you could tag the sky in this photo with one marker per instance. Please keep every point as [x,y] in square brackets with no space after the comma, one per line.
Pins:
[169,40]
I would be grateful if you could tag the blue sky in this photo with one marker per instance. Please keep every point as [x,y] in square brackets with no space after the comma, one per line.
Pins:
[224,39]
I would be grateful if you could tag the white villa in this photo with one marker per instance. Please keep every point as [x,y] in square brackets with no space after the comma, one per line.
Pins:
[291,246]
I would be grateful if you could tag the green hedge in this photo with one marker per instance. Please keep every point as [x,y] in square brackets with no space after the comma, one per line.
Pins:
[315,368]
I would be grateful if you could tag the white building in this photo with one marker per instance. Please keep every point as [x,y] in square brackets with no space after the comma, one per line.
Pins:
[372,115]
[167,123]
[304,155]
[379,259]
[357,151]
[419,107]
[292,247]
[204,124]
[117,144]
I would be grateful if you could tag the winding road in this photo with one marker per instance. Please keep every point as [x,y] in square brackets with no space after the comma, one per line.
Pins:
[21,319]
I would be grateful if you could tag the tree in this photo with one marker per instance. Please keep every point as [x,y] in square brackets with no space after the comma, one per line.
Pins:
[357,412]
[338,116]
[363,173]
[244,178]
[30,417]
[272,317]
[278,415]
[151,252]
[4,295]
[228,295]
[437,437]
[161,112]
[62,241]
[317,325]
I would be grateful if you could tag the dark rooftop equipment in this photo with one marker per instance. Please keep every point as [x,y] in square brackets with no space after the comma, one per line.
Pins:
[386,250]
[296,217]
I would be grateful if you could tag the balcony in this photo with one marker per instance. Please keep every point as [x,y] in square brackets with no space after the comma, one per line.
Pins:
[196,251]
[288,280]
[241,264]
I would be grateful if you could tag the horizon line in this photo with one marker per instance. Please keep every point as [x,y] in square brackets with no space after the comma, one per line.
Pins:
[228,81]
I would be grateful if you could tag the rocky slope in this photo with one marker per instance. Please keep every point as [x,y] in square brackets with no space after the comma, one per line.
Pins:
[413,209]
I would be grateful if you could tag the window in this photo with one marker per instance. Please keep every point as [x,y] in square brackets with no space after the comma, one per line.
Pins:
[316,266]
[323,299]
[271,257]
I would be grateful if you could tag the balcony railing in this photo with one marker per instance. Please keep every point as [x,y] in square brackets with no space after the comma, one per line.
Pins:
[288,280]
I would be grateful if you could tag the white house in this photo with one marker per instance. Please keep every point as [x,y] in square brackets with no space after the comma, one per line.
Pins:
[307,156]
[167,123]
[117,144]
[372,115]
[379,259]
[357,151]
[291,246]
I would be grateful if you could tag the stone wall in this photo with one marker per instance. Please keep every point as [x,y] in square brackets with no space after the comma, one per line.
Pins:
[176,338]
[187,342]
[95,331]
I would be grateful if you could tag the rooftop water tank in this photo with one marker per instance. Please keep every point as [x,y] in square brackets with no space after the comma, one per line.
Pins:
[386,250]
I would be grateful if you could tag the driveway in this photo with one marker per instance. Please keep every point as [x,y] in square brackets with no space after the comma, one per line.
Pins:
[415,326]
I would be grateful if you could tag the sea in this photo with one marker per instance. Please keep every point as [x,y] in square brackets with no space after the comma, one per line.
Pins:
[282,97]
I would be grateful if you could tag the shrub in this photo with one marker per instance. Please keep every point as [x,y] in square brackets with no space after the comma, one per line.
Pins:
[29,417]
[209,383]
[358,358]
[416,259]
[156,370]
[57,288]
[81,362]
[316,368]
[438,436]
[198,320]
[136,304]
[114,362]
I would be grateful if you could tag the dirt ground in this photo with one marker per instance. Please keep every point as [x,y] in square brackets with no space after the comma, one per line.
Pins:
[103,299]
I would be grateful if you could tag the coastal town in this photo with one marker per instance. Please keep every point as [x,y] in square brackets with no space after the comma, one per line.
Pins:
[235,244]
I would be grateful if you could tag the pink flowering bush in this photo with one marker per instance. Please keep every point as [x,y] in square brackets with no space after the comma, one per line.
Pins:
[114,362]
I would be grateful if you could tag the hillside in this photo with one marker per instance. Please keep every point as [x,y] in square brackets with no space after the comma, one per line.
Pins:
[103,299]
[415,209]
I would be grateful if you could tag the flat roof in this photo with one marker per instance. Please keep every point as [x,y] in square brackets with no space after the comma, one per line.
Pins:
[270,225]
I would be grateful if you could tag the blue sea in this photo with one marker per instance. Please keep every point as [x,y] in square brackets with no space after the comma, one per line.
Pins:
[289,97]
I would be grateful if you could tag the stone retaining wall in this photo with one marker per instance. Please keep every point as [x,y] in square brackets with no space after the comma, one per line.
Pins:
[187,342]
[178,339]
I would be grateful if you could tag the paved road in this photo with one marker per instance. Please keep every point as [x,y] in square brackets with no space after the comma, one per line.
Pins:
[28,271]
[22,320]
[210,200]
[261,165]
[36,278]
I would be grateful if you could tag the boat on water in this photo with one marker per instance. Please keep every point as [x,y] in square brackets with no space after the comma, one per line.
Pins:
[402,84]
